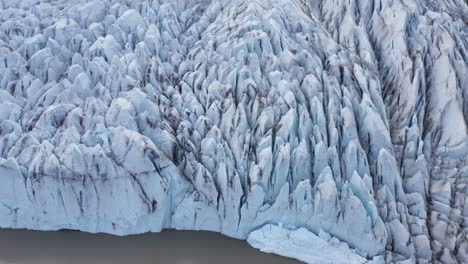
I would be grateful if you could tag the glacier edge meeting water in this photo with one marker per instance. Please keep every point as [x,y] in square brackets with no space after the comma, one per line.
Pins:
[339,125]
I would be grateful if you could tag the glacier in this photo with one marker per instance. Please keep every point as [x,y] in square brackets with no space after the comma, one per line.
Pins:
[303,126]
[304,245]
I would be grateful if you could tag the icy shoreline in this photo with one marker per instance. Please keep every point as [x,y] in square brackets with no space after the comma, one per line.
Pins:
[340,117]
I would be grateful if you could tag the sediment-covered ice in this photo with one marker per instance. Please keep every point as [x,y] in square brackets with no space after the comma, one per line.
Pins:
[345,120]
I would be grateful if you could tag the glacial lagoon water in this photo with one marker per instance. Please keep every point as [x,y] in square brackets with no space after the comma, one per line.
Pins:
[167,247]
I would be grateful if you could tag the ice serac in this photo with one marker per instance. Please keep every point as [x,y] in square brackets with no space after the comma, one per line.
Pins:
[305,126]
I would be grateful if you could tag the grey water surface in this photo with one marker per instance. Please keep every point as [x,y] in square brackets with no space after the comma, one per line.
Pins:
[167,247]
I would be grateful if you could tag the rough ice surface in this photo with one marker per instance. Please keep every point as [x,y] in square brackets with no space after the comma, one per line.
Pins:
[343,120]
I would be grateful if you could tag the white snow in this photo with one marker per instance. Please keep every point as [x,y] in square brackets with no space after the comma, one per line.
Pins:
[303,245]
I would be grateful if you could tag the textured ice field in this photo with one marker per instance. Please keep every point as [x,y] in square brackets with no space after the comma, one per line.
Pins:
[339,126]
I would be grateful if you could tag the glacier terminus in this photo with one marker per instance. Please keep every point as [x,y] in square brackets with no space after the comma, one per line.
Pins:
[331,131]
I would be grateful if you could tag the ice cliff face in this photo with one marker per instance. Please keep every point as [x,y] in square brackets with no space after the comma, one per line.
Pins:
[344,118]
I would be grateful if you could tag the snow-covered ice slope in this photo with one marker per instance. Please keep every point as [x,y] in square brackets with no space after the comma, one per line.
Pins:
[337,117]
[304,245]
